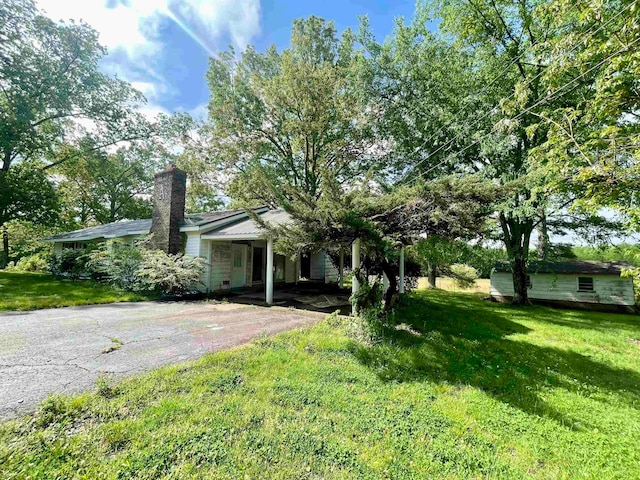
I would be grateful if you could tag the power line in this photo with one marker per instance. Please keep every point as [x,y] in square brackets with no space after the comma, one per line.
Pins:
[528,109]
[586,37]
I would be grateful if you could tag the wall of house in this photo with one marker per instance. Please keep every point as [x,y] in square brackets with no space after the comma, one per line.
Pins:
[57,248]
[331,272]
[220,265]
[608,289]
[317,266]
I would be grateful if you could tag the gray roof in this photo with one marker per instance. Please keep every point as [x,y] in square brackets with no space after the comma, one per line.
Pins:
[248,229]
[139,227]
[589,267]
[110,230]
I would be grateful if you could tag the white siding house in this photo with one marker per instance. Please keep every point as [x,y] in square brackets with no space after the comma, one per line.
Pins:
[233,245]
[584,284]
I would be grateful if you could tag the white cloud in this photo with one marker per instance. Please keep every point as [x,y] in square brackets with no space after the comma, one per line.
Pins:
[131,31]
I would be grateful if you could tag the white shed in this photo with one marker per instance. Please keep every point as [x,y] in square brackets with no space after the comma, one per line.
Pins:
[586,284]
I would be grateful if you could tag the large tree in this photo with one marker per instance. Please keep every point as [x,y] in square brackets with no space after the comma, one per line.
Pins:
[478,89]
[593,145]
[280,120]
[52,93]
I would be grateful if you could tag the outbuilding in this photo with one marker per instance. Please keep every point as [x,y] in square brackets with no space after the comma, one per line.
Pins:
[575,284]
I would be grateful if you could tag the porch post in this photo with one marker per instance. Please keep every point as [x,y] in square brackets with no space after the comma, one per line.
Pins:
[385,283]
[269,272]
[355,263]
[401,285]
[341,268]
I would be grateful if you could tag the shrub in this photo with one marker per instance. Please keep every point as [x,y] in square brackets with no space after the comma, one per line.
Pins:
[634,273]
[170,274]
[69,263]
[33,263]
[463,275]
[117,263]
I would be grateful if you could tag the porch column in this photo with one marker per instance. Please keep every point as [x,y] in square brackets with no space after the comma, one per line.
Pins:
[269,281]
[341,269]
[401,285]
[385,283]
[355,263]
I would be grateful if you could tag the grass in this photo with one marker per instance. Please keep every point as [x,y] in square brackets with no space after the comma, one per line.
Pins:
[29,291]
[460,388]
[482,285]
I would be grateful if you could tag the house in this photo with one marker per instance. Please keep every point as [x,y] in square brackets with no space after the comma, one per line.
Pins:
[576,284]
[237,250]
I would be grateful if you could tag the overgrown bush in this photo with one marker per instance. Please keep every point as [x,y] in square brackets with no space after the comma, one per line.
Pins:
[170,274]
[117,263]
[69,263]
[138,269]
[464,276]
[33,263]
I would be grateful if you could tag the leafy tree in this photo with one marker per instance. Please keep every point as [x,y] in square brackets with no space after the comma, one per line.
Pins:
[279,121]
[26,194]
[51,94]
[487,119]
[104,188]
[437,254]
[593,144]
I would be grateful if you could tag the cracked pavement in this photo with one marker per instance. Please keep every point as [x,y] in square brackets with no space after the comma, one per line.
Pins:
[63,350]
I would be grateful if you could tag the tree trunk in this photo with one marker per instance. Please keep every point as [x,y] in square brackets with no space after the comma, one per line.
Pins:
[432,273]
[388,269]
[516,236]
[544,244]
[520,291]
[4,261]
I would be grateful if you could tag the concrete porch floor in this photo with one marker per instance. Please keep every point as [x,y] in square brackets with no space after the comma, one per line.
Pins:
[315,297]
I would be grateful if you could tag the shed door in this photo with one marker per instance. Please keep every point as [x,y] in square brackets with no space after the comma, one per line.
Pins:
[238,266]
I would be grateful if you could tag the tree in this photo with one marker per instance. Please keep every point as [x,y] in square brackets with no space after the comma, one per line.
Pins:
[495,90]
[104,188]
[280,120]
[437,254]
[51,94]
[26,194]
[593,146]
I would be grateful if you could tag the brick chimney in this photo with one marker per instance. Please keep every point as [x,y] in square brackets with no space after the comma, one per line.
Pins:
[168,209]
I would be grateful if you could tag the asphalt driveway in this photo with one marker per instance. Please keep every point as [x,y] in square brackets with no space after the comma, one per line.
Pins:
[65,350]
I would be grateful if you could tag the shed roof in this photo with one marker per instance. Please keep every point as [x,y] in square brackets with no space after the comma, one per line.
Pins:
[248,229]
[590,267]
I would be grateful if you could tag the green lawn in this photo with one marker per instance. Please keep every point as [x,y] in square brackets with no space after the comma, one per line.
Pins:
[461,389]
[28,291]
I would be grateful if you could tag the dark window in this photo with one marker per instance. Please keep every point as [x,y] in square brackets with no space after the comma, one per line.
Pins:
[528,281]
[305,266]
[585,284]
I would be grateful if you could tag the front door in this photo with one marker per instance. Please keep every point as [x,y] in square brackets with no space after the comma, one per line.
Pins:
[238,266]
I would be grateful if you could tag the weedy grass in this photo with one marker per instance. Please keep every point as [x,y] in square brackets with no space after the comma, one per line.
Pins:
[460,388]
[30,291]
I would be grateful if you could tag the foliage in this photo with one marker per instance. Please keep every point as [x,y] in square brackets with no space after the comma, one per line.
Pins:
[484,259]
[170,274]
[138,269]
[50,76]
[486,386]
[70,263]
[104,188]
[117,263]
[38,262]
[464,275]
[623,252]
[29,291]
[26,238]
[281,121]
[593,144]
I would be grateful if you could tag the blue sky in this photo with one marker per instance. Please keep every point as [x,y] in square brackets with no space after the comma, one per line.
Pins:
[162,46]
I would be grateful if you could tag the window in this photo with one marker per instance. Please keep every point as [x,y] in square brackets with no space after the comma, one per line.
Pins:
[528,281]
[585,284]
[74,245]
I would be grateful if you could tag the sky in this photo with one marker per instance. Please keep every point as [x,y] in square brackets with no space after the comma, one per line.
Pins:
[162,47]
